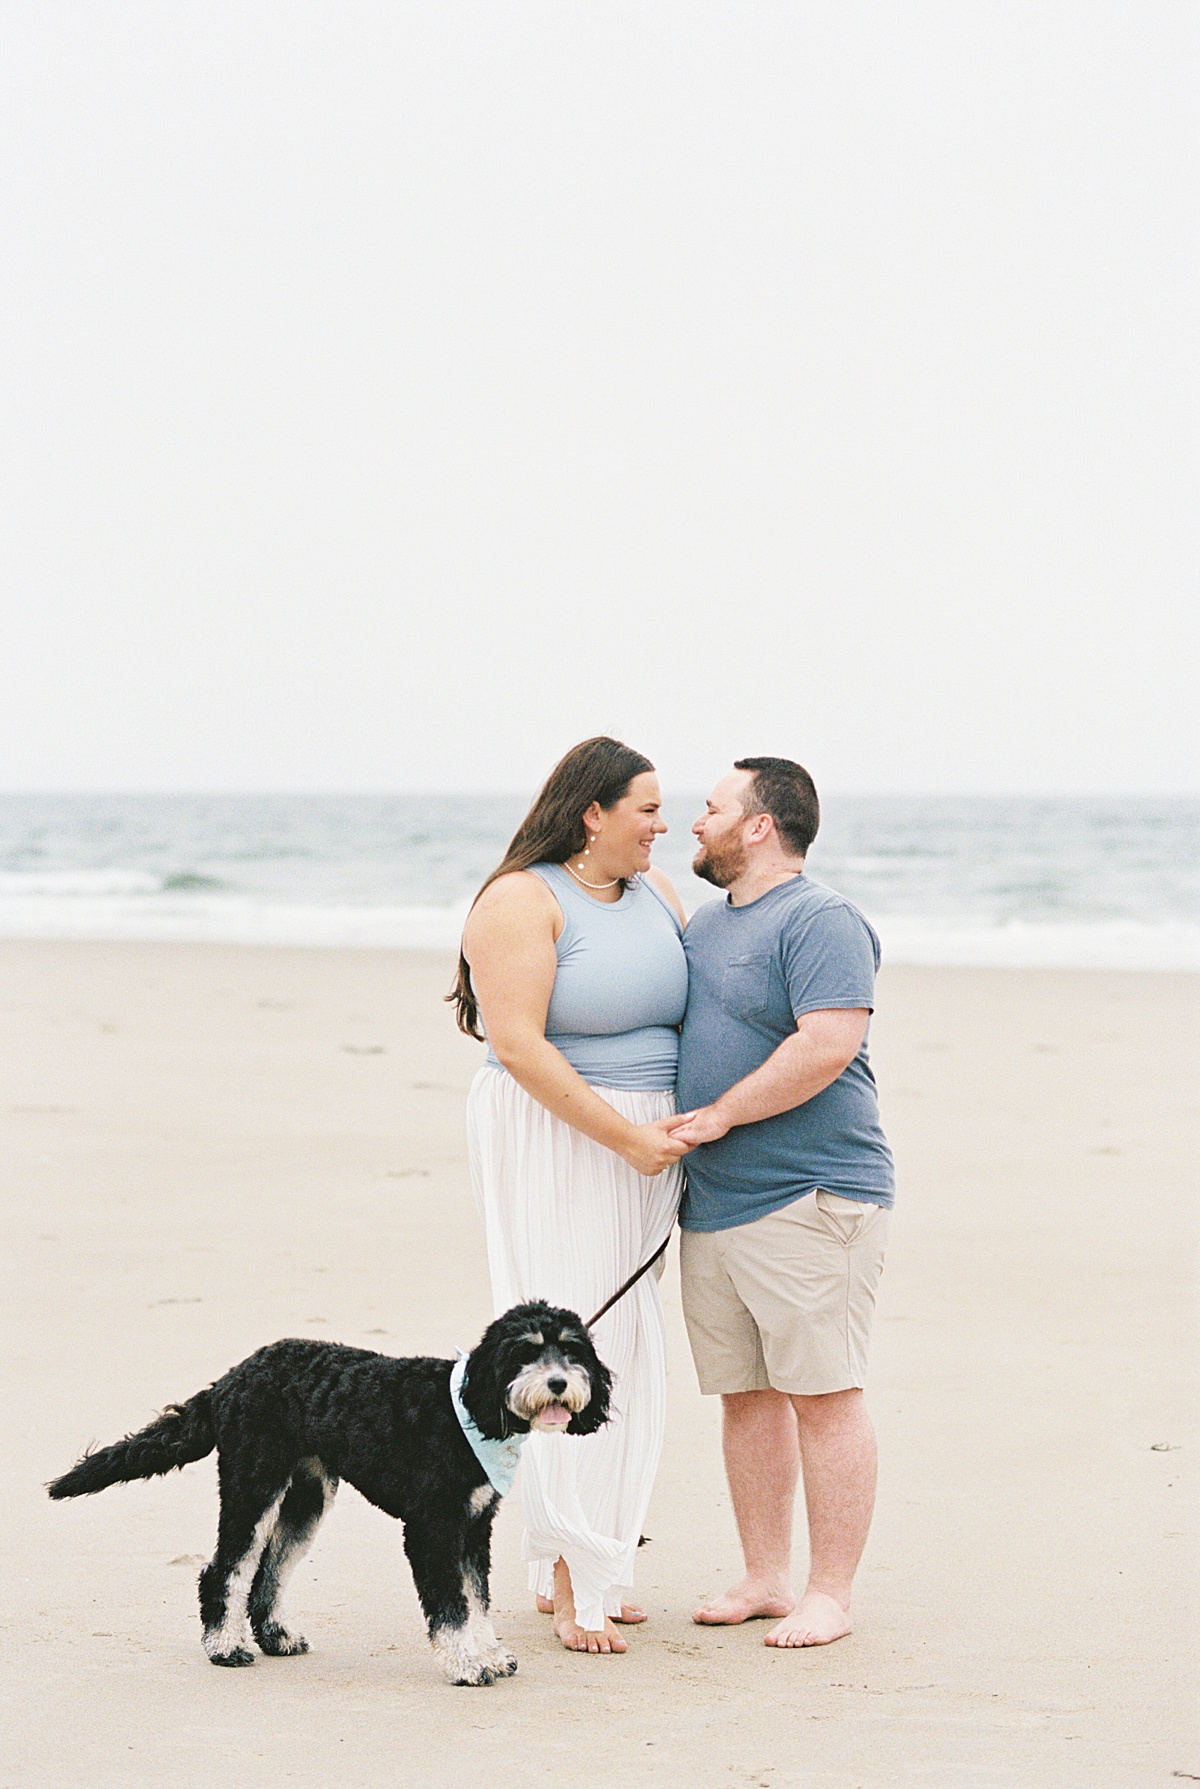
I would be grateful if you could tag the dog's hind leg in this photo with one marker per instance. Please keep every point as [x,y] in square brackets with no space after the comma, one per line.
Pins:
[246,1523]
[436,1553]
[477,1561]
[306,1501]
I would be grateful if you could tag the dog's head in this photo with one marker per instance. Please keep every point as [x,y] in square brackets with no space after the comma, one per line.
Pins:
[535,1368]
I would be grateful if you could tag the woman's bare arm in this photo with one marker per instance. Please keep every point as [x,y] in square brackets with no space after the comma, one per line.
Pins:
[509,942]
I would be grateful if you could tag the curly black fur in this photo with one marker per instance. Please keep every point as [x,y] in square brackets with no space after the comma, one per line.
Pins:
[298,1416]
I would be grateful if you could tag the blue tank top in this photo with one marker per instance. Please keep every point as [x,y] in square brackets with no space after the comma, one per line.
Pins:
[621,985]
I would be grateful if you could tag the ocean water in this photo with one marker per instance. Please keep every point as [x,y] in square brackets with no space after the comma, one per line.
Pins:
[1075,883]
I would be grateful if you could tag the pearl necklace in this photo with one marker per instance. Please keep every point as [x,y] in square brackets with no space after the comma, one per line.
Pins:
[584,883]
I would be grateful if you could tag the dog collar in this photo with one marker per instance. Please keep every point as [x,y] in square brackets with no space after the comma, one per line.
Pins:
[499,1459]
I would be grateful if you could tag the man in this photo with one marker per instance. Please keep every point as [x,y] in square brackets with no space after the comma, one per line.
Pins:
[789,1185]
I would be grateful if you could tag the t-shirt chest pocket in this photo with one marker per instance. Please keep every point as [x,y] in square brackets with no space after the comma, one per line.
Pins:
[746,986]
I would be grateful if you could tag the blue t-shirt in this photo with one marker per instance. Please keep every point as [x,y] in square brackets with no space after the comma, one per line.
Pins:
[752,972]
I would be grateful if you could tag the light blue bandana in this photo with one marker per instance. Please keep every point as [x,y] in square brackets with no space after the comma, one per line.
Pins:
[499,1459]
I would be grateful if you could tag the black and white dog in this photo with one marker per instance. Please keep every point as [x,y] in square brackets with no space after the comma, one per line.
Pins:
[424,1440]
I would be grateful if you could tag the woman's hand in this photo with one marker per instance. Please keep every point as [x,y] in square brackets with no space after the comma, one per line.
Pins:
[651,1148]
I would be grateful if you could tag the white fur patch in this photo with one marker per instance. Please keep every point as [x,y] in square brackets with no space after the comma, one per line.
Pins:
[458,1659]
[482,1497]
[479,1627]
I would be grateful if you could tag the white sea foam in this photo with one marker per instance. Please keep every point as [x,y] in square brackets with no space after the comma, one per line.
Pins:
[1112,944]
[166,918]
[96,884]
[1117,944]
[1087,884]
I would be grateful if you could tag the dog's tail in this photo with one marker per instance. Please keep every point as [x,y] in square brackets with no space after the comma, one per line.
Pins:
[183,1432]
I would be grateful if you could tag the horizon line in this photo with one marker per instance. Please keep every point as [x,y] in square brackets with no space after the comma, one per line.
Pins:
[523,794]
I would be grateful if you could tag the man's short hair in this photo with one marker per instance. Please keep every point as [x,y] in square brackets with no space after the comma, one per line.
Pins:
[784,790]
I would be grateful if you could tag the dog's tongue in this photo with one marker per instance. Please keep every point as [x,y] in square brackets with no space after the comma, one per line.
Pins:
[553,1416]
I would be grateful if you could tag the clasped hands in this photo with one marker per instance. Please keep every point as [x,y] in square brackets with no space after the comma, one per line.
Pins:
[658,1145]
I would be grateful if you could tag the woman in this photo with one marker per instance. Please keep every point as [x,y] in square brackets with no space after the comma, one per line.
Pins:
[572,959]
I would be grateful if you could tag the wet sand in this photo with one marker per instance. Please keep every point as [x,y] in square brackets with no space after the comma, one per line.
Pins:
[208,1147]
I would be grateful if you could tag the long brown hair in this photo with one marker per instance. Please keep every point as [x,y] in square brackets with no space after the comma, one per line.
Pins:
[597,770]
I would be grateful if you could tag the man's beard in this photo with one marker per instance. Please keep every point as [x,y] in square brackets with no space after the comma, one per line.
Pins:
[721,867]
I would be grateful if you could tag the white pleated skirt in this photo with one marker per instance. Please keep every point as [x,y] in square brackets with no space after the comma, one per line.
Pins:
[567,1221]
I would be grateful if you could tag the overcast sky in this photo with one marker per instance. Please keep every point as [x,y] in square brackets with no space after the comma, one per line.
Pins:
[397,393]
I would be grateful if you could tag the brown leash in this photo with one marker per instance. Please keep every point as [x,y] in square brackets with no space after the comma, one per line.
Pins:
[632,1280]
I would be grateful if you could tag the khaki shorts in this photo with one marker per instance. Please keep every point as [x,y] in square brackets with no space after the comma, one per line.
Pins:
[786,1301]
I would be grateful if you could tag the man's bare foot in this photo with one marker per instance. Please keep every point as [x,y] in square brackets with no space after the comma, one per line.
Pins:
[629,1617]
[815,1621]
[752,1599]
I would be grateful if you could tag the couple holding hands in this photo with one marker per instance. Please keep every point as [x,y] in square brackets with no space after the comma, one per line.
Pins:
[622,1039]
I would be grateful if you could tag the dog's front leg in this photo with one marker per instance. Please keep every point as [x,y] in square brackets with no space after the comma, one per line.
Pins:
[436,1553]
[478,1560]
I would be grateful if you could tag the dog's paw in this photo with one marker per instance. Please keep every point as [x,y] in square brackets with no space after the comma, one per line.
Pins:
[461,1664]
[475,1672]
[239,1655]
[277,1643]
[501,1661]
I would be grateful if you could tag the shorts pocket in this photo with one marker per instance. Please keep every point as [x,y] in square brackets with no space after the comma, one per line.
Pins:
[746,987]
[845,1217]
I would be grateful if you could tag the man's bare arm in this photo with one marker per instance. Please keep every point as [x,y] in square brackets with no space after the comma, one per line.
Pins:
[824,1045]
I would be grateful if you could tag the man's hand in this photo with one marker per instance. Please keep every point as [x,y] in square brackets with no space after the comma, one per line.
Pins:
[704,1125]
[824,1045]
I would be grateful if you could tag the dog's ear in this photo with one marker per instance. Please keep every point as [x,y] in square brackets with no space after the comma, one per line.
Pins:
[486,1381]
[595,1412]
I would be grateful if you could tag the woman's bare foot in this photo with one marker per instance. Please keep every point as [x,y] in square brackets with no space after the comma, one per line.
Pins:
[574,1637]
[579,1639]
[629,1617]
[815,1621]
[752,1599]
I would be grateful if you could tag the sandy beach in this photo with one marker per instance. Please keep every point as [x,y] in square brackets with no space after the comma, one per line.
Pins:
[208,1147]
